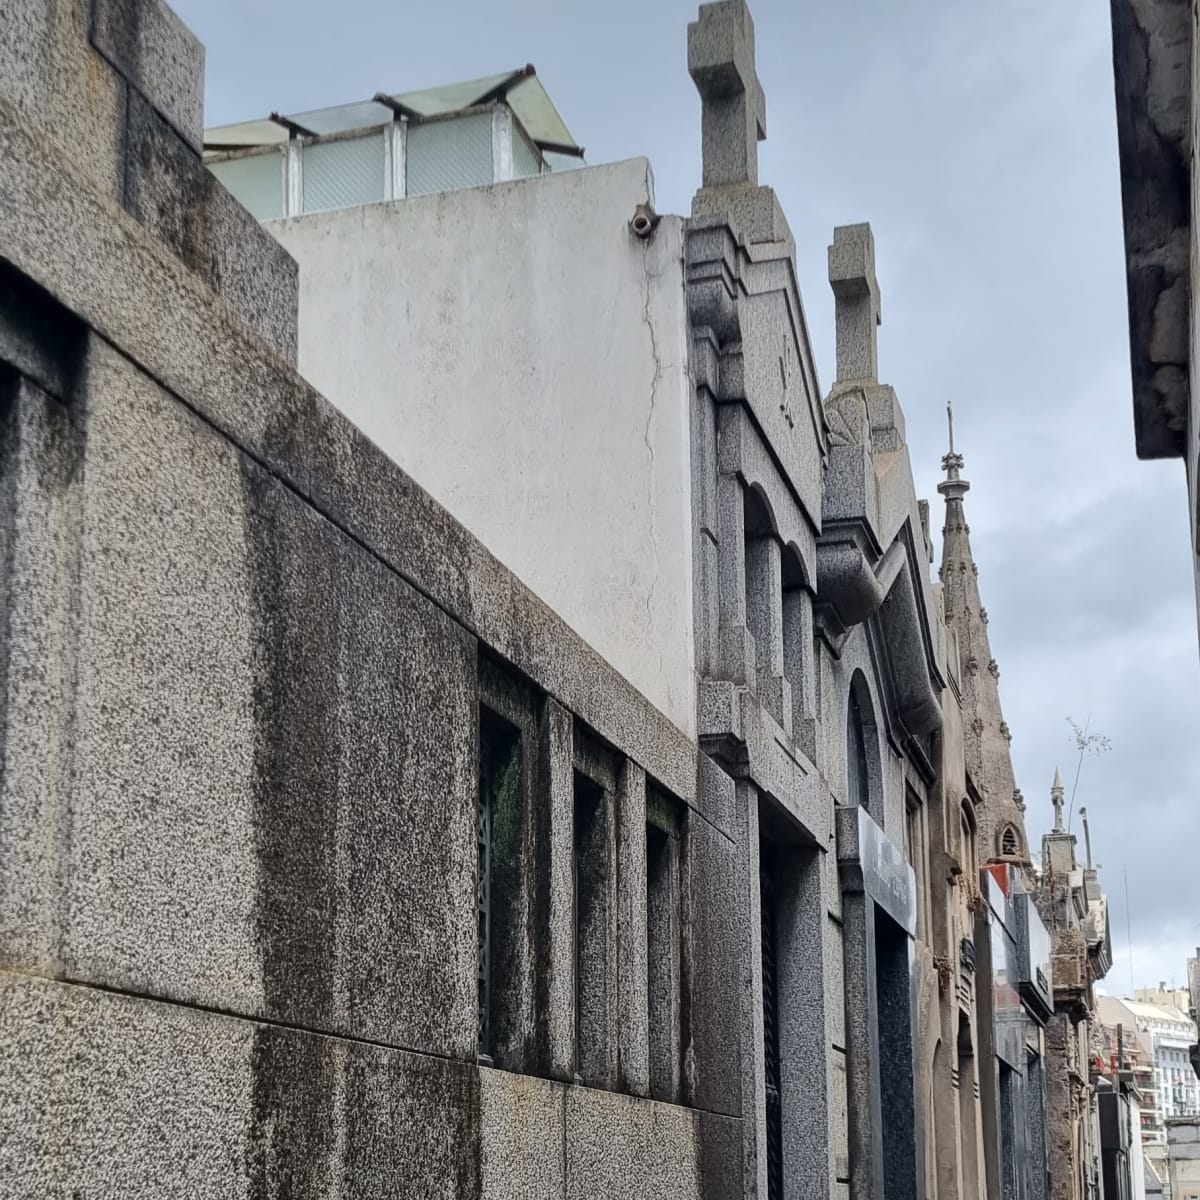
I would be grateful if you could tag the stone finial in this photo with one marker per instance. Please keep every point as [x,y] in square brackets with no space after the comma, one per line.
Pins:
[1056,798]
[856,300]
[733,107]
[953,487]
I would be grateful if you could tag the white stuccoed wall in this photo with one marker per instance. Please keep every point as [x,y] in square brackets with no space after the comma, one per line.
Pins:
[524,357]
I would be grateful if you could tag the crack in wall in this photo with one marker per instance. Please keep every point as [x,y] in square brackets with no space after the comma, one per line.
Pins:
[648,278]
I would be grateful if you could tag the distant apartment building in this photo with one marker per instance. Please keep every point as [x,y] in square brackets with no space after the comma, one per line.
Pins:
[1165,997]
[1165,1035]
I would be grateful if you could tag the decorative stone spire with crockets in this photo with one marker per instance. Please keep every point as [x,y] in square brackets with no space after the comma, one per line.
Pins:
[986,737]
[1056,798]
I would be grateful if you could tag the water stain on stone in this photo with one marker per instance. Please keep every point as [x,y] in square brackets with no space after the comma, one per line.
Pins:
[295,583]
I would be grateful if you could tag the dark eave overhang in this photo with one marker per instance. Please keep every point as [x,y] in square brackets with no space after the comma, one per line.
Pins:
[1152,73]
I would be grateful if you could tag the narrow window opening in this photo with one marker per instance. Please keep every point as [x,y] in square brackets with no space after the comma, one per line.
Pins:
[663,918]
[498,816]
[756,529]
[970,854]
[770,989]
[914,839]
[1008,843]
[797,640]
[859,781]
[591,932]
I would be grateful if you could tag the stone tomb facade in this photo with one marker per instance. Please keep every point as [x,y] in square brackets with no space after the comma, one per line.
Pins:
[335,861]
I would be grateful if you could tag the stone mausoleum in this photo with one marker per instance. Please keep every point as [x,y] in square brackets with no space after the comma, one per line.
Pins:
[632,817]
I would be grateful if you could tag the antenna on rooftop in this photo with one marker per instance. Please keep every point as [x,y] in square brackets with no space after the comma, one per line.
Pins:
[1128,931]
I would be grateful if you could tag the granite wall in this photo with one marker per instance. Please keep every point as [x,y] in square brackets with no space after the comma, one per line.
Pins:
[239,713]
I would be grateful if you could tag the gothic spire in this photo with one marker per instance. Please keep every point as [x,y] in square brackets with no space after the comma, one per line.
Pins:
[952,487]
[986,735]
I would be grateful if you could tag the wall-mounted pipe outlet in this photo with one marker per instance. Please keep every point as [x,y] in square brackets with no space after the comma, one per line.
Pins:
[644,221]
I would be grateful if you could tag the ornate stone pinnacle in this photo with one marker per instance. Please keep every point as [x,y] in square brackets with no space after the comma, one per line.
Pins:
[1057,799]
[952,487]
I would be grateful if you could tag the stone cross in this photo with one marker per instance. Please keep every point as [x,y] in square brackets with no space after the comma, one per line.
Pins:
[733,107]
[856,298]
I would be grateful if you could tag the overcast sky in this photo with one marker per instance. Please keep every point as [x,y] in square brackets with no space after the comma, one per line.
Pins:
[979,141]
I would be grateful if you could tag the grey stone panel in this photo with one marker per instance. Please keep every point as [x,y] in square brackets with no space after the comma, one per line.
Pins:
[704,421]
[799,667]
[157,53]
[63,88]
[711,994]
[779,769]
[632,995]
[748,914]
[103,265]
[235,655]
[113,738]
[777,386]
[721,1172]
[764,617]
[556,999]
[168,189]
[735,646]
[850,486]
[719,716]
[862,1049]
[522,1137]
[403,1124]
[107,1096]
[754,214]
[626,1146]
[886,418]
[39,454]
[835,986]
[716,796]
[804,1049]
[833,891]
[713,264]
[706,584]
[110,1097]
[840,1121]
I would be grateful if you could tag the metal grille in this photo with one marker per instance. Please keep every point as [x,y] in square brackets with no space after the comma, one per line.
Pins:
[256,183]
[770,974]
[343,173]
[445,155]
[483,898]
